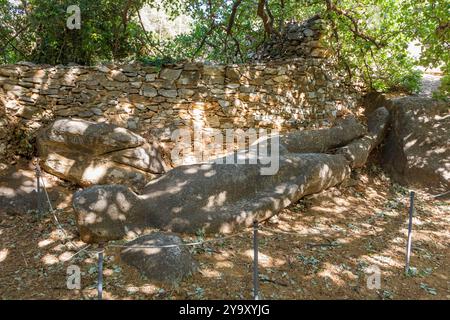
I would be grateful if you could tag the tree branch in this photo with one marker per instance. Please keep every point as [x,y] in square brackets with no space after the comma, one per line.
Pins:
[236,5]
[211,29]
[145,32]
[25,27]
[204,39]
[267,22]
[354,23]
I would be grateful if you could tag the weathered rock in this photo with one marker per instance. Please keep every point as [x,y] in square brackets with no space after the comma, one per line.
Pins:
[169,264]
[216,197]
[168,93]
[308,32]
[212,197]
[219,197]
[89,153]
[104,212]
[149,91]
[95,138]
[417,149]
[86,170]
[146,157]
[170,74]
[323,140]
[358,150]
[296,40]
[118,76]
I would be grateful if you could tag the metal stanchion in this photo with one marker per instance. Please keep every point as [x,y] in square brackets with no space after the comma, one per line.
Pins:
[100,274]
[408,246]
[38,191]
[255,261]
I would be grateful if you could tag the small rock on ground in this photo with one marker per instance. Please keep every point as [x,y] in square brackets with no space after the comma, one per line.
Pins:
[164,261]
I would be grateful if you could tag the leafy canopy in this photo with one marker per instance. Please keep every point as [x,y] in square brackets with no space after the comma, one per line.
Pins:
[370,38]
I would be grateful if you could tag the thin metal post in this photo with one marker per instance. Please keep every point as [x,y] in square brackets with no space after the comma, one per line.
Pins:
[38,191]
[100,274]
[255,261]
[408,246]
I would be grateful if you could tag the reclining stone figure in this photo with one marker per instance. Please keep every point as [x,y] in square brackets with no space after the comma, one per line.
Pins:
[220,197]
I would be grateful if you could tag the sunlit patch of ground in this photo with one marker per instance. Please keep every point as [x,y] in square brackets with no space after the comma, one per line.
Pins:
[319,248]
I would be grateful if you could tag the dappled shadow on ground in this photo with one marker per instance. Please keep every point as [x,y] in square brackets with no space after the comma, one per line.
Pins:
[18,190]
[333,237]
[319,247]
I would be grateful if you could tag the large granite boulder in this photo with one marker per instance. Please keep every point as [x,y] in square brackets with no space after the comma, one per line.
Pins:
[417,149]
[89,153]
[161,257]
[215,197]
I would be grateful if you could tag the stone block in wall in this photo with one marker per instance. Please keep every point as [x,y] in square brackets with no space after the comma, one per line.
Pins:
[9,72]
[170,74]
[281,79]
[117,75]
[212,121]
[148,91]
[232,73]
[162,84]
[34,80]
[102,68]
[68,80]
[15,90]
[131,75]
[188,78]
[4,80]
[168,93]
[186,93]
[26,83]
[224,104]
[213,79]
[136,84]
[131,68]
[214,70]
[192,66]
[151,77]
[68,112]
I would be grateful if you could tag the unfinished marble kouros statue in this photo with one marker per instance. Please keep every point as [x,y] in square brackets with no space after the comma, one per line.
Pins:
[221,197]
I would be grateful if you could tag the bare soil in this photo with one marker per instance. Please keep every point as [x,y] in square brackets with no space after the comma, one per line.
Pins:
[319,248]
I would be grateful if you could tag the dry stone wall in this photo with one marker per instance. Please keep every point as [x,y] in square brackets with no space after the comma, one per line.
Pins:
[153,101]
[305,39]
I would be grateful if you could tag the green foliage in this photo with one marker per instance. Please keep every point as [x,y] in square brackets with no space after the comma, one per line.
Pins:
[108,31]
[370,38]
[156,61]
[444,90]
[371,41]
[403,78]
[428,289]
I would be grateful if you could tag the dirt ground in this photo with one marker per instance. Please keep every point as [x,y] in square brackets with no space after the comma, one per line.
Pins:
[319,248]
